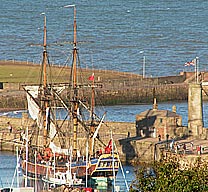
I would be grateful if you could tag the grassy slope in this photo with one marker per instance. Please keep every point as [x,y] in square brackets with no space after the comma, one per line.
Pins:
[21,72]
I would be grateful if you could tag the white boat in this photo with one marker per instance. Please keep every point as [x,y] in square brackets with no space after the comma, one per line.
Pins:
[60,178]
[18,189]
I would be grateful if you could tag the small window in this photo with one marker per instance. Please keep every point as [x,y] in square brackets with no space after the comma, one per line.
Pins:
[161,120]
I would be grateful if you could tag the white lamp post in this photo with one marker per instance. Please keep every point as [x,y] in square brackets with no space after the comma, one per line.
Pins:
[143,64]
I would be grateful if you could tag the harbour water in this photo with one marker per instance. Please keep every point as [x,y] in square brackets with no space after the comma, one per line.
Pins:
[7,168]
[127,113]
[113,35]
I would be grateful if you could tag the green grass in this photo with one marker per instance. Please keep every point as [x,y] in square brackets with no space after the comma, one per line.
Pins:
[26,74]
[22,72]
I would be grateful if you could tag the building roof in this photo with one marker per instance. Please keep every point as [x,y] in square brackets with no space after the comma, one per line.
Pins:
[159,113]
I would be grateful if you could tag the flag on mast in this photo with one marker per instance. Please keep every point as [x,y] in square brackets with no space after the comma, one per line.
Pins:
[191,63]
[92,77]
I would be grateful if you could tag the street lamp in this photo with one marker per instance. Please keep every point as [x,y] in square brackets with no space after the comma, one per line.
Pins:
[143,65]
[66,6]
[69,6]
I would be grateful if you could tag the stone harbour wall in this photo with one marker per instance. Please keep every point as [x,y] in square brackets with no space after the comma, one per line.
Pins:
[129,146]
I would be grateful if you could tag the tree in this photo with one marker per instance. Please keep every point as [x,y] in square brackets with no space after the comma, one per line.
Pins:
[171,175]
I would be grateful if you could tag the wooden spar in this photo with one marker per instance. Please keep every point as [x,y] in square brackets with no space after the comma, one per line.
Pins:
[75,88]
[45,103]
[75,52]
[92,124]
[93,99]
[44,56]
[75,27]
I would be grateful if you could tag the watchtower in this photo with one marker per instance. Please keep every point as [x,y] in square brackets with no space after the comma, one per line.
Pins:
[195,110]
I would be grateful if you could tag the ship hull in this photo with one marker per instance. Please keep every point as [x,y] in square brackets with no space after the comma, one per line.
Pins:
[101,170]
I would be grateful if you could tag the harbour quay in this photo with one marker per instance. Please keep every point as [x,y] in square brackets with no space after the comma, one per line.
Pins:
[123,88]
[112,87]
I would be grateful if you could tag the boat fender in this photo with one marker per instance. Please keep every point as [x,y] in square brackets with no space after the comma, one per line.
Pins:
[48,153]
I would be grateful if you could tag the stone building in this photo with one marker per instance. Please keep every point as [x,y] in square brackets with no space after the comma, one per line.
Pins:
[155,122]
[195,111]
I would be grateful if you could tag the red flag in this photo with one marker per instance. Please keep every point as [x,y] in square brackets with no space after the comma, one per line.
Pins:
[91,78]
[110,143]
[108,148]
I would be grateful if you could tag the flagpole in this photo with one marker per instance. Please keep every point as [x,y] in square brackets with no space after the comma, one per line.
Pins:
[197,70]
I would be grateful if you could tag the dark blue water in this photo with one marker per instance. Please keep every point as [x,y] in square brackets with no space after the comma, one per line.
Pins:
[127,113]
[7,169]
[112,34]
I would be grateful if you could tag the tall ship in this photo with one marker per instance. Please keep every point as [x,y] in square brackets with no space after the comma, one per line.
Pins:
[56,144]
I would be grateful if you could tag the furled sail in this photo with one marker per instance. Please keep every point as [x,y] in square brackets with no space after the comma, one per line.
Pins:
[50,124]
[33,108]
[56,149]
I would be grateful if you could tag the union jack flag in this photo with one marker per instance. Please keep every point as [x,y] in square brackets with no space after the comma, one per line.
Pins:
[191,63]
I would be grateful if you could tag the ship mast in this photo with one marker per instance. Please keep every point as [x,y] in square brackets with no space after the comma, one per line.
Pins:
[74,85]
[44,81]
[93,100]
[92,123]
[75,99]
